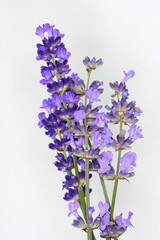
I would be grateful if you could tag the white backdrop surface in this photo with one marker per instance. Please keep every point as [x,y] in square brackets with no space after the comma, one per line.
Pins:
[126,35]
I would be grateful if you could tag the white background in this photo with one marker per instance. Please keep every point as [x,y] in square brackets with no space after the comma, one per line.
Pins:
[126,35]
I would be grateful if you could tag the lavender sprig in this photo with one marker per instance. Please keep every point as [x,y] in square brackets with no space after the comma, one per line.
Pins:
[80,134]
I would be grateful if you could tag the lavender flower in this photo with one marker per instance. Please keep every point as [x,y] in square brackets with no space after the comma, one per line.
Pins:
[93,95]
[104,162]
[124,223]
[92,64]
[127,163]
[128,75]
[70,98]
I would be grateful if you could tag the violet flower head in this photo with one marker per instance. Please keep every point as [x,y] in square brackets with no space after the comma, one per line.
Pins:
[92,64]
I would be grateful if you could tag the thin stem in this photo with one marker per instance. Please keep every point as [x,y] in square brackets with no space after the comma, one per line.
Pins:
[88,80]
[116,180]
[80,190]
[104,190]
[115,186]
[87,185]
[89,232]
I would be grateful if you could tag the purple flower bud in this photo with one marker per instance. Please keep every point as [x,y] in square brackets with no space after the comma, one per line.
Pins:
[128,75]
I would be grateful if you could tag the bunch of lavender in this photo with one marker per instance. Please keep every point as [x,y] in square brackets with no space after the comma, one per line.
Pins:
[81,135]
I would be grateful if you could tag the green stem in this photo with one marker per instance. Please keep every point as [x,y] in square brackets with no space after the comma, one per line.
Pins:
[89,232]
[88,80]
[80,190]
[116,180]
[87,186]
[104,190]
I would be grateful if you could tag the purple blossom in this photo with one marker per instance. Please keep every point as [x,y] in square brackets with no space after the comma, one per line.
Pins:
[72,194]
[122,111]
[134,133]
[128,162]
[117,87]
[99,120]
[75,143]
[124,222]
[70,98]
[96,139]
[79,115]
[62,53]
[128,75]
[104,209]
[42,118]
[70,181]
[53,103]
[104,162]
[73,207]
[63,164]
[96,84]
[47,74]
[104,214]
[40,31]
[79,222]
[124,143]
[92,64]
[77,85]
[90,154]
[93,94]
